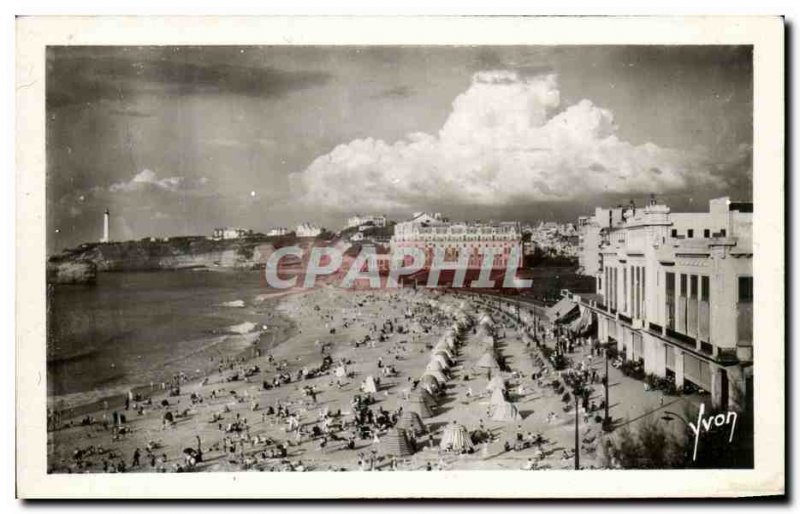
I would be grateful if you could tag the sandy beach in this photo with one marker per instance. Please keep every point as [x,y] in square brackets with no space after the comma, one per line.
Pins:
[307,402]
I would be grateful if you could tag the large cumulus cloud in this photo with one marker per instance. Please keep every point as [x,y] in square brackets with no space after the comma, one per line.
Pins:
[507,140]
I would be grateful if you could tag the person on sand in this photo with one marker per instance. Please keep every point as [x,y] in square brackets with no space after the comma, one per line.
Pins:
[136,456]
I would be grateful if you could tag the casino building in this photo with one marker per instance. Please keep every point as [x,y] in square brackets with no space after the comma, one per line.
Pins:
[675,291]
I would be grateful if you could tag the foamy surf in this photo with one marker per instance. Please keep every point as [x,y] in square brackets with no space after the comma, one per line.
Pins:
[242,328]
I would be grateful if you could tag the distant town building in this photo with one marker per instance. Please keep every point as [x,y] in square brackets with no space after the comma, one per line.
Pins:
[553,239]
[430,231]
[358,220]
[230,233]
[675,292]
[308,230]
[590,233]
[278,231]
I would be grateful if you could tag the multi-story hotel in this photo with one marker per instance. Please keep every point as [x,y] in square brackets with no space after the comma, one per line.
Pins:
[675,290]
[430,231]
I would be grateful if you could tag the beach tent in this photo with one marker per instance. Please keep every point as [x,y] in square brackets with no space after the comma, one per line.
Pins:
[449,342]
[418,406]
[456,439]
[369,385]
[505,411]
[411,422]
[443,361]
[434,365]
[438,375]
[396,443]
[442,346]
[487,361]
[496,383]
[444,352]
[498,397]
[341,372]
[427,397]
[430,384]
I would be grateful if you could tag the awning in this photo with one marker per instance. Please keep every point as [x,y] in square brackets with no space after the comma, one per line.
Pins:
[563,311]
[583,322]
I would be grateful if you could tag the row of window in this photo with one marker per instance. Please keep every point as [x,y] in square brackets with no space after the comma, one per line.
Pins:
[706,233]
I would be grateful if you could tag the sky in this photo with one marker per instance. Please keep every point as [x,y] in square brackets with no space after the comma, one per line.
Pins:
[180,140]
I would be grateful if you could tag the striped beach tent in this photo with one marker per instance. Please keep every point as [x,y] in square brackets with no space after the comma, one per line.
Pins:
[487,361]
[427,397]
[438,375]
[496,382]
[498,397]
[434,365]
[411,422]
[505,411]
[396,443]
[442,360]
[417,405]
[456,439]
[430,382]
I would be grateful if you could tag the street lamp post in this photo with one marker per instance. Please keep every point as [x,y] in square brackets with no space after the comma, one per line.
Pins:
[606,419]
[577,433]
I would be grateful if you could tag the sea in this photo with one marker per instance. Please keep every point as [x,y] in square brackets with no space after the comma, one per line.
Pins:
[134,329]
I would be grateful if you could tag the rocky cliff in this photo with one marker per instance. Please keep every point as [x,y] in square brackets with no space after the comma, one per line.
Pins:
[81,264]
[71,272]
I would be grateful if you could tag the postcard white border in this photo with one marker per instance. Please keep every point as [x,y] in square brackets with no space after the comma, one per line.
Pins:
[765,33]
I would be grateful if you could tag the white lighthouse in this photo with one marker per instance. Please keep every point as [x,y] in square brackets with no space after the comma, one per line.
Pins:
[105,227]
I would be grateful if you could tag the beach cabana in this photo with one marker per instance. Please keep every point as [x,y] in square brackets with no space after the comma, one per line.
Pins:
[456,439]
[417,405]
[498,397]
[506,412]
[411,422]
[369,385]
[444,352]
[435,365]
[396,443]
[442,360]
[438,375]
[430,384]
[427,397]
[487,361]
[495,383]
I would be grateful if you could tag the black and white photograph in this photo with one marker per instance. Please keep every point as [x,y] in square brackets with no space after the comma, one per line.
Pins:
[291,258]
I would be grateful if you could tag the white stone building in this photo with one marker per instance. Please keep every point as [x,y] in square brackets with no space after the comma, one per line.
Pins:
[278,231]
[675,291]
[308,230]
[230,233]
